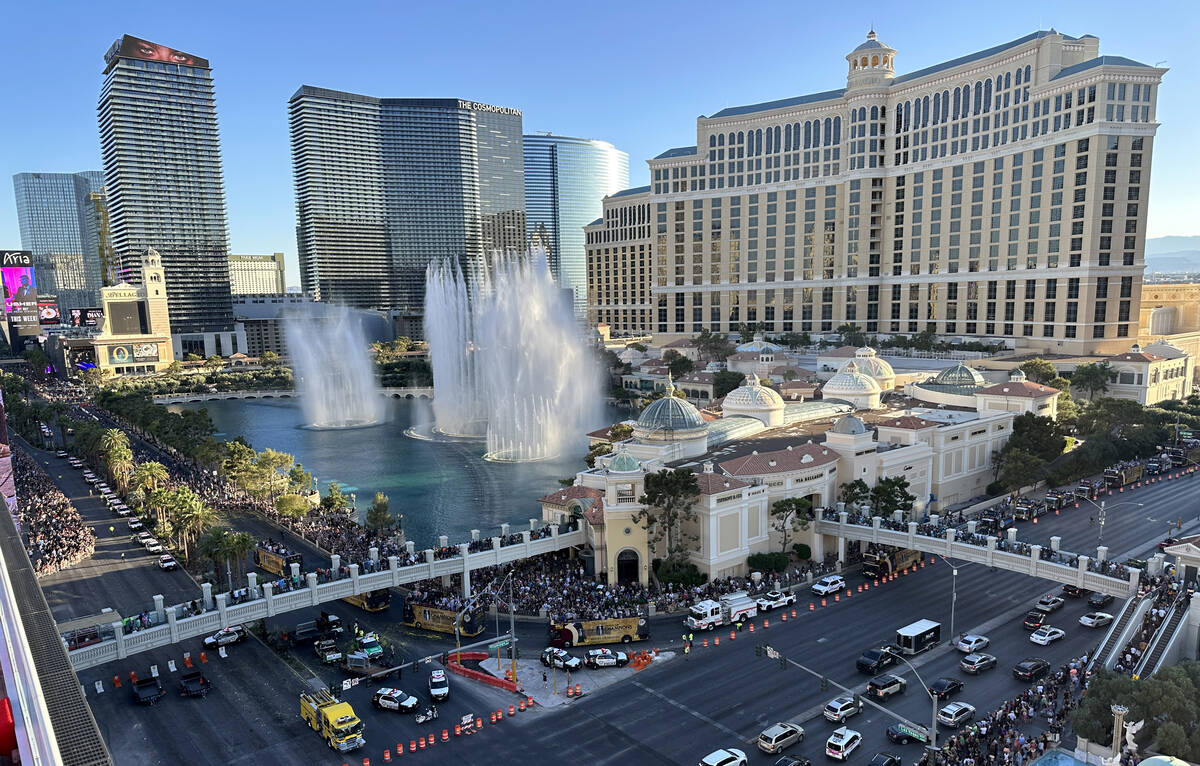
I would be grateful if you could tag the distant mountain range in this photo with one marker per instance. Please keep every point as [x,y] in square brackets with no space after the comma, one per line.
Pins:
[1172,254]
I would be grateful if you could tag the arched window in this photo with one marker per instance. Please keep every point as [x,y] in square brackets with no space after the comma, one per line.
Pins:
[712,141]
[777,144]
[721,139]
[828,131]
[1019,72]
[1028,71]
[937,107]
[837,130]
[945,105]
[807,134]
[758,141]
[816,133]
[1008,80]
[770,140]
[899,119]
[978,98]
[864,62]
[741,137]
[987,95]
[874,112]
[885,60]
[874,61]
[795,136]
[732,139]
[787,137]
[925,111]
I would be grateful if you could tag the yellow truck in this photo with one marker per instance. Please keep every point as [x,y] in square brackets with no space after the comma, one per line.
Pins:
[333,719]
[426,617]
[617,630]
[889,561]
[276,563]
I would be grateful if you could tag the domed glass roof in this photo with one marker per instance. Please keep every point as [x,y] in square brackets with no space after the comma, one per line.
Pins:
[624,463]
[849,425]
[850,382]
[752,396]
[871,43]
[759,345]
[960,375]
[670,413]
[867,362]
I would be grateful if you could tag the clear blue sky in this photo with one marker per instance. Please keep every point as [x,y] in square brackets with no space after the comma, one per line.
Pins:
[634,73]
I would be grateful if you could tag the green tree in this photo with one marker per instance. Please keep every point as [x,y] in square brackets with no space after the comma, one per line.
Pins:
[173,370]
[214,363]
[299,480]
[790,515]
[1039,371]
[746,332]
[1039,436]
[1020,469]
[378,515]
[680,365]
[854,492]
[269,359]
[620,432]
[1068,409]
[238,548]
[292,506]
[1093,378]
[150,475]
[891,494]
[335,500]
[725,381]
[713,347]
[669,500]
[210,546]
[851,335]
[114,439]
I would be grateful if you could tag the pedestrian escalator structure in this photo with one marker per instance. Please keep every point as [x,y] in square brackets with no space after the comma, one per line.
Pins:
[1169,632]
[1130,616]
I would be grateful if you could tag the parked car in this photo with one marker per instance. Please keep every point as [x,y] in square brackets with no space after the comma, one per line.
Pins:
[1099,600]
[776,737]
[167,563]
[977,662]
[842,743]
[1030,669]
[1046,635]
[726,756]
[234,634]
[829,585]
[136,524]
[971,642]
[560,658]
[439,685]
[945,687]
[1049,603]
[1096,619]
[840,708]
[152,545]
[955,714]
[1034,620]
[389,698]
[60,453]
[605,658]
[885,759]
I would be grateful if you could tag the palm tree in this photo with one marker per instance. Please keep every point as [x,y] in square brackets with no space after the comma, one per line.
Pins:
[240,545]
[160,501]
[211,546]
[149,476]
[60,410]
[112,438]
[120,467]
[191,517]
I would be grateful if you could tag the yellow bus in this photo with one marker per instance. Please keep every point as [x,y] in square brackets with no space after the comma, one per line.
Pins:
[425,617]
[375,601]
[274,562]
[617,630]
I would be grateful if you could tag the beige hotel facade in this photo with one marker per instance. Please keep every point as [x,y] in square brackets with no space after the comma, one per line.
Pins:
[999,195]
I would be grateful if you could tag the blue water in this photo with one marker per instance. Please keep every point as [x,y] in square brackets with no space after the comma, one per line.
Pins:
[440,488]
[1058,758]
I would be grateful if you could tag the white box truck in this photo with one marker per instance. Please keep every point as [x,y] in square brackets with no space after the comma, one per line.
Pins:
[919,636]
[709,614]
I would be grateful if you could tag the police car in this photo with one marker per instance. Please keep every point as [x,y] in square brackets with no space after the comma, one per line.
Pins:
[394,699]
[841,743]
[605,658]
[234,634]
[559,658]
[773,599]
[439,686]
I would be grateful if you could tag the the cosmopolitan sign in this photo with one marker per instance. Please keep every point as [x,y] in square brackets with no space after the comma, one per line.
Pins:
[478,107]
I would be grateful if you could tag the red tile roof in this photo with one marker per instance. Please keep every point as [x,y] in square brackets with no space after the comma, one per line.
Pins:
[795,458]
[743,356]
[696,377]
[847,351]
[715,483]
[1132,356]
[910,422]
[560,498]
[1018,388]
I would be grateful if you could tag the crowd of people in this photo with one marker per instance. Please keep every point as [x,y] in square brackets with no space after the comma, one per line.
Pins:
[998,738]
[56,535]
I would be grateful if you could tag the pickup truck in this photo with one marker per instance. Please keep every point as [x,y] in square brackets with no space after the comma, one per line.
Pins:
[327,651]
[148,691]
[193,684]
[773,599]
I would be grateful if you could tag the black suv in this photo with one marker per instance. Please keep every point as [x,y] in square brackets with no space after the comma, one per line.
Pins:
[1099,600]
[1030,669]
[874,660]
[1073,591]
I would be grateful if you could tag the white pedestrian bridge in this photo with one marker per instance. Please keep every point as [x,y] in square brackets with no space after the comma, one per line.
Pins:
[172,626]
[1012,554]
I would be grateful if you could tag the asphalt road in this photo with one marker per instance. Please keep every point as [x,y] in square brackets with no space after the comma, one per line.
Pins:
[718,697]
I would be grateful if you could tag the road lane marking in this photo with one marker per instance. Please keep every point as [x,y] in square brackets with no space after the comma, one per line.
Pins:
[694,713]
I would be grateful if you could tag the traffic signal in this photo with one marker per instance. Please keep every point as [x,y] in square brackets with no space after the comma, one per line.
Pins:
[824,684]
[758,650]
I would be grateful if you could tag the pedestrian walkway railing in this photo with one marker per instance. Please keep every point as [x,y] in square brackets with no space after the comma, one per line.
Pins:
[1152,657]
[1030,561]
[264,602]
[1122,630]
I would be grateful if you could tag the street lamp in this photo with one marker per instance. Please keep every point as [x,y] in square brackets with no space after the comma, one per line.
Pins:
[932,746]
[1100,518]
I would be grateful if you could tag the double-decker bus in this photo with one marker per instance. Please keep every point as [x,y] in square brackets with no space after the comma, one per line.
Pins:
[374,601]
[617,630]
[425,617]
[278,563]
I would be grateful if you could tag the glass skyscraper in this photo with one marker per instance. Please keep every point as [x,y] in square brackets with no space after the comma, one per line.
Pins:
[385,186]
[57,214]
[566,180]
[163,177]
